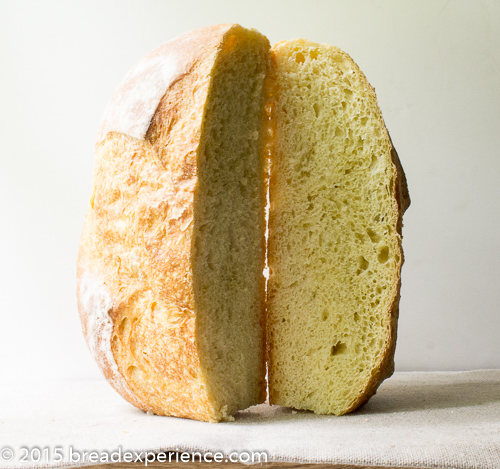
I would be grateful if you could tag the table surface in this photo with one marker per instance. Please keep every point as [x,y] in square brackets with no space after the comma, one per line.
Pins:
[418,420]
[277,465]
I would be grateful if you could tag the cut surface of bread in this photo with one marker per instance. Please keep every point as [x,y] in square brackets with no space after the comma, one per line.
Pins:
[337,195]
[229,228]
[170,268]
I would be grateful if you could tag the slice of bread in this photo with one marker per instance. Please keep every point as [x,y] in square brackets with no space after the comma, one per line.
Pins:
[170,267]
[337,195]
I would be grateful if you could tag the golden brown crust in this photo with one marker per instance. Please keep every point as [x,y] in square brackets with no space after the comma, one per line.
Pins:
[137,238]
[135,292]
[135,101]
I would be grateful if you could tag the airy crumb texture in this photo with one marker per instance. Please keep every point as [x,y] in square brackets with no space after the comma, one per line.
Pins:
[337,196]
[172,251]
[229,227]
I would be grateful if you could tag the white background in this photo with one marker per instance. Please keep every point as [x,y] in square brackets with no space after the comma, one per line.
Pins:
[436,69]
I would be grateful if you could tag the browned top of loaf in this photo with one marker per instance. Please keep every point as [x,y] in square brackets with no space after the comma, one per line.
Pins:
[135,248]
[135,101]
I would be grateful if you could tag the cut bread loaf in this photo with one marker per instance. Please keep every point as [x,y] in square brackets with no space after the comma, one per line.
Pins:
[171,290]
[170,267]
[337,195]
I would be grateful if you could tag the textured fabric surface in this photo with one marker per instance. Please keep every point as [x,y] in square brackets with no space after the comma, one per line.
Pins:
[448,420]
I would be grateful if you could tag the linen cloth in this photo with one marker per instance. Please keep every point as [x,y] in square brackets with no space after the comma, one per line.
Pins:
[416,419]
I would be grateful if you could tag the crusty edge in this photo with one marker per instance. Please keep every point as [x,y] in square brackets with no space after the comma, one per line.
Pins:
[135,101]
[95,306]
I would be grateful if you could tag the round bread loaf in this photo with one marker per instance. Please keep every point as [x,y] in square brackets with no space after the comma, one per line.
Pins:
[170,267]
[171,291]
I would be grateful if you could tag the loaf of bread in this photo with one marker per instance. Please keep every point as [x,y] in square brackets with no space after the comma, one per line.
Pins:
[170,269]
[171,290]
[337,195]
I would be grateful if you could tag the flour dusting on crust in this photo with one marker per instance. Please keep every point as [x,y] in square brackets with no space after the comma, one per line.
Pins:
[134,103]
[96,304]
